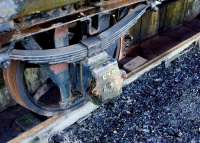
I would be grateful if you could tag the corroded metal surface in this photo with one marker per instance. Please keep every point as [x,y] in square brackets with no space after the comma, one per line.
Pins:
[15,8]
[33,25]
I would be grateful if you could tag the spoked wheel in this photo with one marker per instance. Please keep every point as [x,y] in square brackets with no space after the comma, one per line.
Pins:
[44,97]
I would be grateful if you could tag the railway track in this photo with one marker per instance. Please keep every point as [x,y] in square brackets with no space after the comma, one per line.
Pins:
[161,48]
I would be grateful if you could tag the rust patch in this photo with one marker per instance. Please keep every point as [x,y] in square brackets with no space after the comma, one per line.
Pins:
[59,68]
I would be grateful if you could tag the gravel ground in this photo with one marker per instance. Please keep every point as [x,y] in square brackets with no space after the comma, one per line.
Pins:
[161,106]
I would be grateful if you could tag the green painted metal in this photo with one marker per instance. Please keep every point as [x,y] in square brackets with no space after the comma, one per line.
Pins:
[19,8]
[36,6]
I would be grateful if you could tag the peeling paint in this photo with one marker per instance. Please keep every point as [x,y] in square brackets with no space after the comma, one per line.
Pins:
[8,8]
[19,8]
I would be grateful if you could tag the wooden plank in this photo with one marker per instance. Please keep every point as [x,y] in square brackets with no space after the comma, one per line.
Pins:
[153,47]
[134,63]
[165,57]
[135,32]
[150,24]
[179,34]
[162,13]
[174,14]
[42,132]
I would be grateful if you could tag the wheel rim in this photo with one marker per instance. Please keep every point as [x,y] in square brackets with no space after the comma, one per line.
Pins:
[16,82]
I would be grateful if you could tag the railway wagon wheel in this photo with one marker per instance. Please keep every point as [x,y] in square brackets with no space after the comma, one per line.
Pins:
[44,100]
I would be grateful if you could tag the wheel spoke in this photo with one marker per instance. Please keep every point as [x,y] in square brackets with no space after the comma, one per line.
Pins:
[60,76]
[41,91]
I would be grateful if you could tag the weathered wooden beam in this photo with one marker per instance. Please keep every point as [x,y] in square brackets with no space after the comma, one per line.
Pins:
[135,32]
[42,132]
[167,57]
[150,24]
[174,14]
